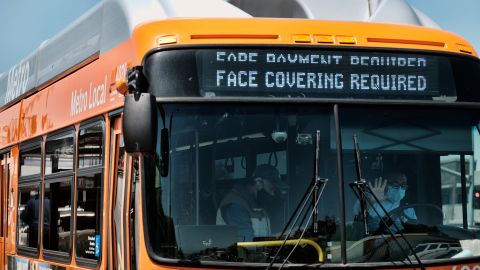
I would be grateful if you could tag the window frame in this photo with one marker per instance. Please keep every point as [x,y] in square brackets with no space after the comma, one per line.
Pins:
[53,255]
[8,179]
[57,135]
[29,180]
[80,172]
[30,145]
[85,125]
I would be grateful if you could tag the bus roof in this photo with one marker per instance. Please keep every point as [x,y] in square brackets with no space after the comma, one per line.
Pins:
[112,22]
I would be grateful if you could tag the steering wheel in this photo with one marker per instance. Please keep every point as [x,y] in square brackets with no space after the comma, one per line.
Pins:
[399,214]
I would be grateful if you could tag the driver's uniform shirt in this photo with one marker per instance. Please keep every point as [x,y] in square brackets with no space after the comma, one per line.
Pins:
[374,219]
[239,208]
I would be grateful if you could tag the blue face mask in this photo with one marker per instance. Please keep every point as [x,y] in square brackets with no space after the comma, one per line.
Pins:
[395,194]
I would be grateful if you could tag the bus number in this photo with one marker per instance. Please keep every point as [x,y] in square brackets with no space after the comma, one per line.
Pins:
[121,72]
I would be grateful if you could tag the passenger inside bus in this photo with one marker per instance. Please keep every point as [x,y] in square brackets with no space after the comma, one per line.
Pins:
[245,205]
[31,215]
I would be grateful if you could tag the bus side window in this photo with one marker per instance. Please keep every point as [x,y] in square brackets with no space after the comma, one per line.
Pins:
[57,197]
[89,189]
[29,198]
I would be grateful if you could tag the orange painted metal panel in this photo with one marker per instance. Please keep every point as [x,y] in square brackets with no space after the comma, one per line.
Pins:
[87,93]
[32,115]
[284,31]
[9,120]
[12,201]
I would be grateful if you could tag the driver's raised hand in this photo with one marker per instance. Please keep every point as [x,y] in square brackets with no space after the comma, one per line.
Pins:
[378,188]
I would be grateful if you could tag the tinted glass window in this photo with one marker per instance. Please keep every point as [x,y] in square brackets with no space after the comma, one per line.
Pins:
[90,146]
[420,164]
[59,154]
[416,162]
[89,206]
[30,161]
[237,174]
[29,205]
[57,212]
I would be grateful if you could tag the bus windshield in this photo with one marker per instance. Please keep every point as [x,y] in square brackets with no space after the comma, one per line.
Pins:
[237,173]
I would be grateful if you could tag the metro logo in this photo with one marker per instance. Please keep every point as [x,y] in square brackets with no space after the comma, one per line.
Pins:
[17,81]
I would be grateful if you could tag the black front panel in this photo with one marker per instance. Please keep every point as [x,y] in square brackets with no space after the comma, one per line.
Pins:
[312,73]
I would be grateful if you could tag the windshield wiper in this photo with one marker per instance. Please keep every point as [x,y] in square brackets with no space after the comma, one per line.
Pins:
[314,190]
[363,191]
[361,186]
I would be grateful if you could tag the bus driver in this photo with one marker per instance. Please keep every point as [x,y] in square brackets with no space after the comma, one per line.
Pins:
[242,206]
[390,194]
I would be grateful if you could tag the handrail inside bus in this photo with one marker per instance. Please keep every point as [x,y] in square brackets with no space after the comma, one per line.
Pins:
[290,242]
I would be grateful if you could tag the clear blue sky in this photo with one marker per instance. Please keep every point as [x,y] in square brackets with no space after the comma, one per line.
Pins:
[459,16]
[25,24]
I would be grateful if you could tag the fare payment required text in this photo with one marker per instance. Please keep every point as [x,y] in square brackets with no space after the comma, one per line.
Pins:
[317,71]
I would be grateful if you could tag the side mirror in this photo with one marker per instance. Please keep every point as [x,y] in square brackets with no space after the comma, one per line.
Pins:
[140,123]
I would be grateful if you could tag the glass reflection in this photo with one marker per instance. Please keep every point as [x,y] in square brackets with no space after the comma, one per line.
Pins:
[89,206]
[90,146]
[412,160]
[57,215]
[237,174]
[29,213]
[59,154]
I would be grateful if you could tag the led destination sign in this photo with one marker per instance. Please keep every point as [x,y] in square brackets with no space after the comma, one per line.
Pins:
[312,72]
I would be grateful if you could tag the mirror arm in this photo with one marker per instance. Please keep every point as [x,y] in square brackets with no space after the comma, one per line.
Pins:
[136,81]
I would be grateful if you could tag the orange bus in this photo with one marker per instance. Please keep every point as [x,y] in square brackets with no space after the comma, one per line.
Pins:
[145,137]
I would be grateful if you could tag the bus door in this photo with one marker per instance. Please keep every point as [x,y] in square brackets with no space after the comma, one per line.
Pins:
[119,256]
[4,182]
